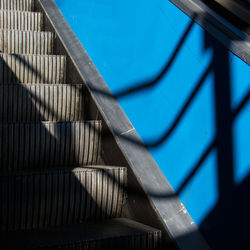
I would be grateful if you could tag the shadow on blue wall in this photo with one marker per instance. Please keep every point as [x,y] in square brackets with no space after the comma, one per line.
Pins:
[226,226]
[225,223]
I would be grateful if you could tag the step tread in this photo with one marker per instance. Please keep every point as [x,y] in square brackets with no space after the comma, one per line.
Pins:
[42,102]
[49,144]
[53,195]
[32,68]
[29,20]
[86,168]
[130,233]
[26,42]
[27,5]
[60,196]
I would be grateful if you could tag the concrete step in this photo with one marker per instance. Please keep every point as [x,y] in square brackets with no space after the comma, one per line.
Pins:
[41,102]
[32,68]
[26,42]
[27,5]
[49,144]
[40,199]
[113,234]
[21,20]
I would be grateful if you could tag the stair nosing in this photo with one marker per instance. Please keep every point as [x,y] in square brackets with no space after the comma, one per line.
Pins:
[85,168]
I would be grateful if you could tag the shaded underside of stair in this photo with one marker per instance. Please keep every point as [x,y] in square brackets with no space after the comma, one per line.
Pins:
[112,234]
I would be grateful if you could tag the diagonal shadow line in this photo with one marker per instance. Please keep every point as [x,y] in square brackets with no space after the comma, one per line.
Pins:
[210,146]
[170,131]
[197,166]
[111,178]
[177,120]
[151,83]
[205,154]
[27,64]
[182,112]
[244,101]
[187,179]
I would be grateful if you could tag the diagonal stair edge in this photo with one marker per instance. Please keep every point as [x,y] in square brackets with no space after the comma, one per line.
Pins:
[169,213]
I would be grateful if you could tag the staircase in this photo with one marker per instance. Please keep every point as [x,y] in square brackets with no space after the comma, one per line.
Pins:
[56,191]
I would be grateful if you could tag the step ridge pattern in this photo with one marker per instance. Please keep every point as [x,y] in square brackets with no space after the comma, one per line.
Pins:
[32,200]
[49,144]
[41,102]
[32,68]
[142,241]
[26,42]
[21,20]
[24,5]
[49,178]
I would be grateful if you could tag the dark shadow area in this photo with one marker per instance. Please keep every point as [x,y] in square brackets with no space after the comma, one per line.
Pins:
[178,118]
[182,112]
[227,225]
[231,14]
[142,86]
[49,156]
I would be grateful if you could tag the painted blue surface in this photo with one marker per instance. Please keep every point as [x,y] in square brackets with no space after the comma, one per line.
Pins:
[130,43]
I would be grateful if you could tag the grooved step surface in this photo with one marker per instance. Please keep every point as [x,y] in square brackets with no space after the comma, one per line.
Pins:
[39,199]
[41,102]
[26,42]
[21,20]
[32,68]
[114,234]
[27,5]
[45,144]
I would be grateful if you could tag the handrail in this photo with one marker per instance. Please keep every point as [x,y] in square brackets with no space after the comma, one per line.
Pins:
[225,32]
[237,8]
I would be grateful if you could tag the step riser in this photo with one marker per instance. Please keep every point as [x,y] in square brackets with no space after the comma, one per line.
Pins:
[24,5]
[136,242]
[46,144]
[26,42]
[43,102]
[32,69]
[17,20]
[38,200]
[114,233]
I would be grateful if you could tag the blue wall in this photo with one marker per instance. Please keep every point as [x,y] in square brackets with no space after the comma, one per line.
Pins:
[186,95]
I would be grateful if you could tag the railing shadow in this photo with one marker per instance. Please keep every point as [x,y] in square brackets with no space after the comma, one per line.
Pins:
[40,164]
[226,225]
[141,86]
